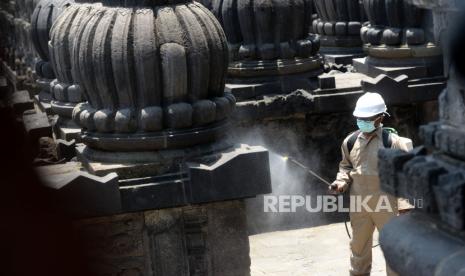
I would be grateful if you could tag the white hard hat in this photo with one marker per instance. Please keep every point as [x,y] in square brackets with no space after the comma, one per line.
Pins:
[369,105]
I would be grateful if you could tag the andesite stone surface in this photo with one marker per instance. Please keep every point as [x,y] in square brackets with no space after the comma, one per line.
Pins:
[65,90]
[208,239]
[43,17]
[168,93]
[153,75]
[271,49]
[338,24]
[398,40]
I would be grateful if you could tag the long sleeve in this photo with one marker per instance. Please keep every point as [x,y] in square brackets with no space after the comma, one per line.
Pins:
[402,143]
[345,166]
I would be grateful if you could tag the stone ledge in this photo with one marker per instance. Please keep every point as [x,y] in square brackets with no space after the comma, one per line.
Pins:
[339,99]
[178,178]
[37,125]
[238,173]
[415,68]
[81,194]
[21,101]
[415,242]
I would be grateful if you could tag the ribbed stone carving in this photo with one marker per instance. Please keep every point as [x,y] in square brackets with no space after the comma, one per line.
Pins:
[45,14]
[264,31]
[396,23]
[66,93]
[339,22]
[398,39]
[153,74]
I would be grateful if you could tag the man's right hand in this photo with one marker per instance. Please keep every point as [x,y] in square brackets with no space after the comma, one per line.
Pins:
[336,188]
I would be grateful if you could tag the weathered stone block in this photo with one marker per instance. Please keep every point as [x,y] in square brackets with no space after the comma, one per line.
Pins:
[21,101]
[391,162]
[66,149]
[209,239]
[422,175]
[450,196]
[37,125]
[229,176]
[450,140]
[81,194]
[427,133]
[415,244]
[326,82]
[212,177]
[393,90]
[42,100]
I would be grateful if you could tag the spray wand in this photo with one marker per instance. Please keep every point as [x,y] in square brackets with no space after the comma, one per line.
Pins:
[333,187]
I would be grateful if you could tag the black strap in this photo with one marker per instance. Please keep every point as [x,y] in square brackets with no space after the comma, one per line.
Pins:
[387,139]
[351,142]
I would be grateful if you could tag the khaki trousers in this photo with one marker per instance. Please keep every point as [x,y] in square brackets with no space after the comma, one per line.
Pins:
[363,226]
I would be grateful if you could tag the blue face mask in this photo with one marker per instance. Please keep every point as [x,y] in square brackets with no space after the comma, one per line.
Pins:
[366,126]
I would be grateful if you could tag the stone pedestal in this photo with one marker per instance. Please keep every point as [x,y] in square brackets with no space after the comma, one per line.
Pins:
[271,50]
[338,24]
[209,239]
[201,238]
[398,40]
[156,114]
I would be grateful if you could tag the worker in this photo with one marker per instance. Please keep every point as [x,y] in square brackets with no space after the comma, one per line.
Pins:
[358,173]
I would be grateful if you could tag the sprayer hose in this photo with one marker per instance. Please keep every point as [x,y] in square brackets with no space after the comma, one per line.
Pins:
[348,233]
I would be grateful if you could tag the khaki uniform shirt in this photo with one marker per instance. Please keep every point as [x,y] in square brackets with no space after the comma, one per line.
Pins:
[361,164]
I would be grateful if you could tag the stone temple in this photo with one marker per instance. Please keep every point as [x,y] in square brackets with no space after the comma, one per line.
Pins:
[157,127]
